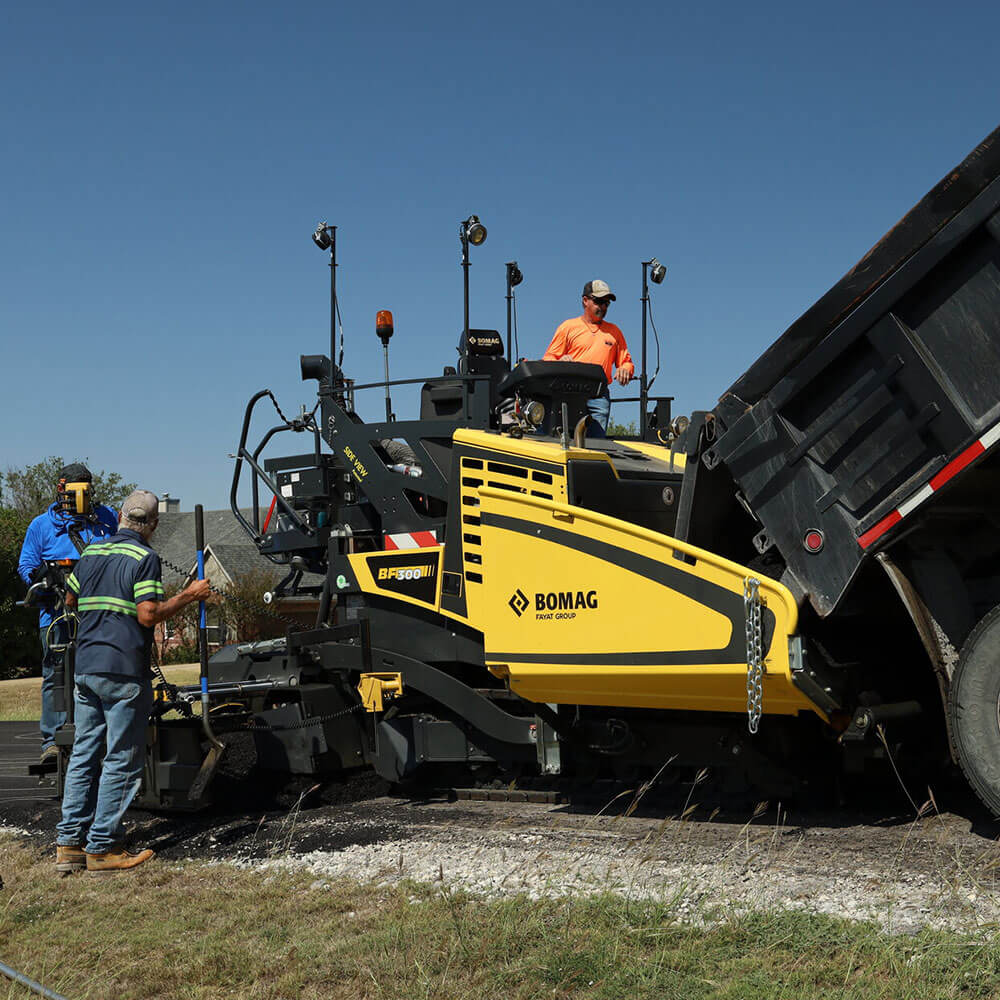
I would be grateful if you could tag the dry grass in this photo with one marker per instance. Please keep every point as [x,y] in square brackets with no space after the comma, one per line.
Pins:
[178,931]
[21,700]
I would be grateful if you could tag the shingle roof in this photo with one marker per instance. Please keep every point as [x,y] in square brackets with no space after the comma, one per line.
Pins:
[224,535]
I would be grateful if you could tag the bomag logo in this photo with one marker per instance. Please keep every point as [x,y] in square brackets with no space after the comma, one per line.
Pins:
[555,605]
[565,600]
[405,572]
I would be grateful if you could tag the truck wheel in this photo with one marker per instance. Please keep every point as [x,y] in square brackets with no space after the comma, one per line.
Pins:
[974,704]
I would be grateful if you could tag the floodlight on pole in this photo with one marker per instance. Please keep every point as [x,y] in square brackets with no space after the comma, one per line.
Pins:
[655,271]
[514,278]
[325,238]
[471,231]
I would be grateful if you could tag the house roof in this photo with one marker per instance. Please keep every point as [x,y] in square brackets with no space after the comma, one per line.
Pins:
[224,537]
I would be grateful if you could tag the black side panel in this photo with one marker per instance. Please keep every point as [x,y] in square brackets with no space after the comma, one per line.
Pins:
[867,415]
[651,503]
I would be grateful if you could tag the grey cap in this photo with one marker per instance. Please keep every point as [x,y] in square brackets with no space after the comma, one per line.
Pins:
[598,289]
[140,509]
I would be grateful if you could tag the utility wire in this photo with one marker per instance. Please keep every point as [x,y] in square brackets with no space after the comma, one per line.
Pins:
[340,322]
[656,337]
[517,349]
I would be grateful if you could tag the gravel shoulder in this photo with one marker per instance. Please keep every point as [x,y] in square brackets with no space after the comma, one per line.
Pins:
[939,871]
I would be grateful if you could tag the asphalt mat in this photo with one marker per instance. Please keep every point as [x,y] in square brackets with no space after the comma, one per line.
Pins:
[20,744]
[247,820]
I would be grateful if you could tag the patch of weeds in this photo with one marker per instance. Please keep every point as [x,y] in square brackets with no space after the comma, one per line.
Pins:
[213,931]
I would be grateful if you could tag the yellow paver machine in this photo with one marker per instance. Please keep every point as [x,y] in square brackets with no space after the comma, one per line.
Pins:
[807,570]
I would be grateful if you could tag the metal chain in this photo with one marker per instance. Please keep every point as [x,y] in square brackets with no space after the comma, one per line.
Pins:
[241,602]
[755,652]
[172,695]
[254,724]
[308,416]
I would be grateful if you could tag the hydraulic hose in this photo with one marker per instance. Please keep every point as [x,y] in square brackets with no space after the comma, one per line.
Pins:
[42,991]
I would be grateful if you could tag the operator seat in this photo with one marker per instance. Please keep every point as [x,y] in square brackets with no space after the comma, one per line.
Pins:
[481,355]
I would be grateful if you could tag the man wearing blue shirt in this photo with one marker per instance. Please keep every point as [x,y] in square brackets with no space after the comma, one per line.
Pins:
[118,595]
[61,532]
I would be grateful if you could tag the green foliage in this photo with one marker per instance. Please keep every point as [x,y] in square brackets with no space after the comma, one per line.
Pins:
[183,629]
[622,430]
[186,652]
[243,609]
[20,651]
[31,489]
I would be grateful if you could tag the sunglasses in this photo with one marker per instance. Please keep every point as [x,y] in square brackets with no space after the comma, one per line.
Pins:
[600,302]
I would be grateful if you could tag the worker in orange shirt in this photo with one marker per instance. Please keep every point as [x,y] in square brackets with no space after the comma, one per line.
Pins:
[590,339]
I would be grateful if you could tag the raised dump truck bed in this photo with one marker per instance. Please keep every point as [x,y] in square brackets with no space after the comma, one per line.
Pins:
[881,394]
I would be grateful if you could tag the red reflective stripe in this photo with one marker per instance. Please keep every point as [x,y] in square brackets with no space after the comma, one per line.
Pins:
[270,511]
[952,469]
[880,529]
[957,464]
[410,540]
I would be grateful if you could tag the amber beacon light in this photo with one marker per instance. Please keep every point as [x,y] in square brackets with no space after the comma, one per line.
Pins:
[383,325]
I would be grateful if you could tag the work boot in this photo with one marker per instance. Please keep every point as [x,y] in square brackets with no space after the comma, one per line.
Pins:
[70,859]
[116,860]
[51,752]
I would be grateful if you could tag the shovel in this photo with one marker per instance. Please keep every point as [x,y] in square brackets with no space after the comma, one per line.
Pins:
[216,747]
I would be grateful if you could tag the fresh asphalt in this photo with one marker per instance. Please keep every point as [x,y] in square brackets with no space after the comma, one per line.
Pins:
[19,747]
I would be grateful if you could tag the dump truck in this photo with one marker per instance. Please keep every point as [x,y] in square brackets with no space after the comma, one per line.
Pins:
[803,575]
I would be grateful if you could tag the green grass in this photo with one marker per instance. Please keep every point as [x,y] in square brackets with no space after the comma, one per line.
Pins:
[21,700]
[190,930]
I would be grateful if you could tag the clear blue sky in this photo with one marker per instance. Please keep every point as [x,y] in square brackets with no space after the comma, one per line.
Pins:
[163,168]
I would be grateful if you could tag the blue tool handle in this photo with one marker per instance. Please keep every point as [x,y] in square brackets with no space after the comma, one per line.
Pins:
[201,576]
[199,533]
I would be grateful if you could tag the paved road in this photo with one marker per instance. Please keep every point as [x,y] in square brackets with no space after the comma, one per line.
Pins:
[19,746]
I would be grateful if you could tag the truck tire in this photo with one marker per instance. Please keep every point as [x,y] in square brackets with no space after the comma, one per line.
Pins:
[974,705]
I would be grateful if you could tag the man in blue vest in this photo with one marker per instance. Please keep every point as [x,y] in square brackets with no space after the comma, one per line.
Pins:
[62,532]
[117,593]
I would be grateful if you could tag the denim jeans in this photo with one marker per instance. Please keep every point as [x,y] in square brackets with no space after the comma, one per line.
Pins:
[52,667]
[600,410]
[105,770]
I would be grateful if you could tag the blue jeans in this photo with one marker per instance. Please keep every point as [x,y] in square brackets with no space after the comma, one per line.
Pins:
[52,667]
[600,410]
[105,770]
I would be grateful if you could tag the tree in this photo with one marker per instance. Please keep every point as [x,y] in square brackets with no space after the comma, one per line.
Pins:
[622,430]
[20,652]
[182,628]
[30,490]
[243,610]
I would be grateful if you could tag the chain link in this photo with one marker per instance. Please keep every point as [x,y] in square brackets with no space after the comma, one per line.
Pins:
[755,652]
[184,707]
[255,724]
[308,416]
[241,602]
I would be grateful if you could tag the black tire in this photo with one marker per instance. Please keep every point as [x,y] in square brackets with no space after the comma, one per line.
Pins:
[974,706]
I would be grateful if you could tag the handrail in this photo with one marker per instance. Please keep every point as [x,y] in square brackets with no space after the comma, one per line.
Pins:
[420,381]
[243,455]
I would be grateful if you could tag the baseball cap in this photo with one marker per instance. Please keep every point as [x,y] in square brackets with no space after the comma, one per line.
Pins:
[76,472]
[141,507]
[598,289]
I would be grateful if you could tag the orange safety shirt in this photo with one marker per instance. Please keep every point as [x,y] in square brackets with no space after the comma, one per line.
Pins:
[579,340]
